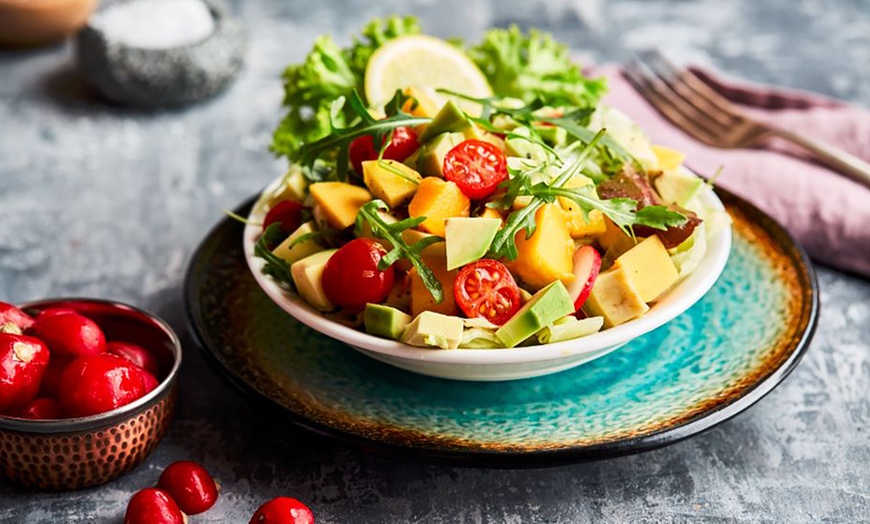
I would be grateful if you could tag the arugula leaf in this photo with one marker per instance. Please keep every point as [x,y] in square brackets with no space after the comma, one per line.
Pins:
[573,122]
[327,73]
[660,217]
[504,243]
[276,267]
[392,233]
[534,66]
[339,138]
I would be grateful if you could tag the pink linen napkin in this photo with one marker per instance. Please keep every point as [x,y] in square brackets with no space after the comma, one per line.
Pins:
[828,213]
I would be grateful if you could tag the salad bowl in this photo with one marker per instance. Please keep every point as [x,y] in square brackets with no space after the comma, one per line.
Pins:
[494,364]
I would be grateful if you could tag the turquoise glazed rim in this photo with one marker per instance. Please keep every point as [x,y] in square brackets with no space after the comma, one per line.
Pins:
[710,363]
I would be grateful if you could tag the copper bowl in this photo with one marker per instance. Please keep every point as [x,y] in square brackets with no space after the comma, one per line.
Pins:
[26,23]
[75,453]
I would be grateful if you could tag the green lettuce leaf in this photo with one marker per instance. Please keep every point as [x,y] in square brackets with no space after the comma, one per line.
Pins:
[534,66]
[375,34]
[328,73]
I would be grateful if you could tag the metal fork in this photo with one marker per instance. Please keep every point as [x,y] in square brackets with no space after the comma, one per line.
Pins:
[709,117]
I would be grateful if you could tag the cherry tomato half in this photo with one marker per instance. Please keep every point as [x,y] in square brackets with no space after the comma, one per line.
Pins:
[487,289]
[477,167]
[351,277]
[402,145]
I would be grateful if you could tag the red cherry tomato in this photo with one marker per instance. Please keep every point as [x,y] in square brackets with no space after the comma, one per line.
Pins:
[283,510]
[190,485]
[56,311]
[148,381]
[11,314]
[487,289]
[402,145]
[351,277]
[139,356]
[70,334]
[587,264]
[288,213]
[153,506]
[41,409]
[50,384]
[99,383]
[477,167]
[23,361]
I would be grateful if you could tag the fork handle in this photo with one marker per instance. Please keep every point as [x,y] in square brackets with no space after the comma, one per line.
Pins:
[833,157]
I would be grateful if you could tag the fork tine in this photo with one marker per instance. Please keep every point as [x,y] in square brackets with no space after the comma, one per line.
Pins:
[675,80]
[690,86]
[669,104]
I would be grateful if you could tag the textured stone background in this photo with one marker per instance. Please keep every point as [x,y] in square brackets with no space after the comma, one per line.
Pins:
[101,201]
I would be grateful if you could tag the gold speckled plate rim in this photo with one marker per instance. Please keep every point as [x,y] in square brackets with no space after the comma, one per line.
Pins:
[781,248]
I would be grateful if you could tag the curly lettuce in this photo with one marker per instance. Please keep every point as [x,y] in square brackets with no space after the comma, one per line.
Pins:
[327,73]
[534,66]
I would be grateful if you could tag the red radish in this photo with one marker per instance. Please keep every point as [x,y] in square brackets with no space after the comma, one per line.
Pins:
[23,361]
[283,510]
[288,213]
[190,485]
[50,384]
[138,355]
[148,381]
[70,334]
[56,311]
[41,409]
[587,264]
[99,383]
[10,313]
[153,506]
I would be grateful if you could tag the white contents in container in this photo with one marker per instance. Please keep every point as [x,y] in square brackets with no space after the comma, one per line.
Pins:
[155,24]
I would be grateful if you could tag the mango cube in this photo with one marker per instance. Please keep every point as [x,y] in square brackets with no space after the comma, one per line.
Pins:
[435,258]
[437,199]
[547,255]
[668,159]
[420,104]
[339,201]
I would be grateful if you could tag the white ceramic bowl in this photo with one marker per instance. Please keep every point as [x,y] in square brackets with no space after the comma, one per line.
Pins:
[496,364]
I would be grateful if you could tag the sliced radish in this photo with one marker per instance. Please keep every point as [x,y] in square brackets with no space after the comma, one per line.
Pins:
[587,263]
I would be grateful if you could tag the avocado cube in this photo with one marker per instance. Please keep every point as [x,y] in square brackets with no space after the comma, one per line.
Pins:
[385,321]
[449,119]
[290,250]
[308,276]
[430,161]
[468,239]
[614,297]
[553,135]
[546,307]
[678,187]
[432,329]
[391,181]
[293,186]
[520,145]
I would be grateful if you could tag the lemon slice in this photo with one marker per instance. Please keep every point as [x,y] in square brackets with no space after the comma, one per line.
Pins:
[425,63]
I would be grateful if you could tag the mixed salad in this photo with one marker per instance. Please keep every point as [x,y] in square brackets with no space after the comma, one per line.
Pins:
[454,196]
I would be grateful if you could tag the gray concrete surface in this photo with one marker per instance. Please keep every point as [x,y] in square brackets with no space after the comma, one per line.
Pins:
[97,200]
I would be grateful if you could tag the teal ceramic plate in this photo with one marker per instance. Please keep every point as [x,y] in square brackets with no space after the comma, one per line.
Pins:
[712,362]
